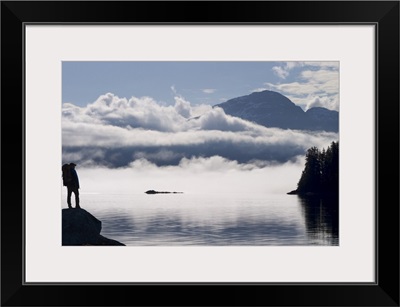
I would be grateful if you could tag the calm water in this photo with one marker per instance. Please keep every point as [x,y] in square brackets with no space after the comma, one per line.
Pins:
[185,219]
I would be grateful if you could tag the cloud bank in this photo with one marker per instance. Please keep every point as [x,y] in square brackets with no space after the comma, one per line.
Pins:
[116,132]
[203,176]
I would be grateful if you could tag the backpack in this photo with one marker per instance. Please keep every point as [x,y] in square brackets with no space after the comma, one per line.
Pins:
[66,174]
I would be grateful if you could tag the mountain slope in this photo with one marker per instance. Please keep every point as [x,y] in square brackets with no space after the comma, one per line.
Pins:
[323,119]
[272,109]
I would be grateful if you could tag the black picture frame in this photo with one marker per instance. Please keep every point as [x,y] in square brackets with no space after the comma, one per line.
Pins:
[383,14]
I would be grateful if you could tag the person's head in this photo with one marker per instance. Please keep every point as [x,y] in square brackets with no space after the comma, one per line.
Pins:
[72,165]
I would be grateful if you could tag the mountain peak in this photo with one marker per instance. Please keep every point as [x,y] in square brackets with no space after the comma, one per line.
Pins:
[266,93]
[265,97]
[272,109]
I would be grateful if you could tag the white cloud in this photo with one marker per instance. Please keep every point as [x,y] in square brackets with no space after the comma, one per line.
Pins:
[317,84]
[330,102]
[323,65]
[286,67]
[141,112]
[182,107]
[281,72]
[173,89]
[259,89]
[294,88]
[209,90]
[216,119]
[325,80]
[115,131]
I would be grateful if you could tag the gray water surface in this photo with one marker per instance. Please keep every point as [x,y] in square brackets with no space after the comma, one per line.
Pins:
[214,220]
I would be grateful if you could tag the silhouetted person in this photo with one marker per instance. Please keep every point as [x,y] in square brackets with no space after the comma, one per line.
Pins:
[73,186]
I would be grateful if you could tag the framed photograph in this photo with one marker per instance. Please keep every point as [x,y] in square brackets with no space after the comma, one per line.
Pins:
[243,153]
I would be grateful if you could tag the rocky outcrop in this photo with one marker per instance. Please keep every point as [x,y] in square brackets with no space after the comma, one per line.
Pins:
[79,227]
[161,192]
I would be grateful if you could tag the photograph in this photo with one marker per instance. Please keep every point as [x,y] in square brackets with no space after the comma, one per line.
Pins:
[148,149]
[200,153]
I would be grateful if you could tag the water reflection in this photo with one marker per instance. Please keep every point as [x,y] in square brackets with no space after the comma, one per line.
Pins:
[189,220]
[321,217]
[167,228]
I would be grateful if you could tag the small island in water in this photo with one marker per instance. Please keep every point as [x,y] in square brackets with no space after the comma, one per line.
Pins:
[320,176]
[161,192]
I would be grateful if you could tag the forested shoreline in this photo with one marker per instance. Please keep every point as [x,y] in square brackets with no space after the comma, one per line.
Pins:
[321,172]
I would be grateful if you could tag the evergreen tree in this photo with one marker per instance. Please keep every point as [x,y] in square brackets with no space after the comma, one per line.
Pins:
[321,171]
[330,174]
[311,177]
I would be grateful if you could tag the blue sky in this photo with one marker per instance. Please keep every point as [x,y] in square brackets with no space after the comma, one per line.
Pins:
[305,83]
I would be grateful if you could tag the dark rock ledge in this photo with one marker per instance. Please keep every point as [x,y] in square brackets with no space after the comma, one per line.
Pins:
[79,227]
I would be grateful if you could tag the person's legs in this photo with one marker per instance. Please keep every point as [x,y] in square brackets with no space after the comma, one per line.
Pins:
[69,193]
[76,191]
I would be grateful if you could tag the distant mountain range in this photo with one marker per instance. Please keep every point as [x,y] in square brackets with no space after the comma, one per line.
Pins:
[272,109]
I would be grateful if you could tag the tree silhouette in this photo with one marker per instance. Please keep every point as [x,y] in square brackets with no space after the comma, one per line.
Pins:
[311,176]
[321,171]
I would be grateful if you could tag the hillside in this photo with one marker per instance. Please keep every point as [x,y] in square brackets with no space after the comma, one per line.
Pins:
[272,109]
